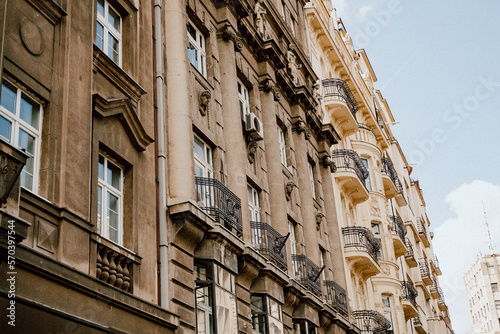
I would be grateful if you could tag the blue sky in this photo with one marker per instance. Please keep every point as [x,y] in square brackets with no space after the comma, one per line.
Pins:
[438,66]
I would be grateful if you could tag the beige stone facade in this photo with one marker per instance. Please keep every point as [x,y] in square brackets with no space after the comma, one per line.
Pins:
[481,284]
[204,167]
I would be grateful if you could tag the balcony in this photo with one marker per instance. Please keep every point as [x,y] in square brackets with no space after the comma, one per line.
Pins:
[419,326]
[434,288]
[425,272]
[114,266]
[410,256]
[307,273]
[371,322]
[361,249]
[422,232]
[392,184]
[398,229]
[220,203]
[269,243]
[340,105]
[336,297]
[441,303]
[409,296]
[435,266]
[351,174]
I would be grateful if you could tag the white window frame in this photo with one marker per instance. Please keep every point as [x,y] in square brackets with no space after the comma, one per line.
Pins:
[377,233]
[244,99]
[312,180]
[204,162]
[17,124]
[282,143]
[388,311]
[368,180]
[198,42]
[253,203]
[109,29]
[106,187]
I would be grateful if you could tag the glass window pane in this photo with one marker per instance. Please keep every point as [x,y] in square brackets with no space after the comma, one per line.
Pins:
[114,176]
[27,174]
[99,208]
[26,142]
[257,304]
[5,129]
[193,55]
[199,148]
[100,7]
[227,321]
[113,221]
[191,31]
[101,167]
[113,46]
[29,111]
[114,19]
[8,98]
[99,38]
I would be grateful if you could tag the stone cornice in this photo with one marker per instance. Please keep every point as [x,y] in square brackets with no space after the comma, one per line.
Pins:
[50,9]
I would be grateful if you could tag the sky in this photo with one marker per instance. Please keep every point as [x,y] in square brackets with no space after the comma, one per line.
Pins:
[438,65]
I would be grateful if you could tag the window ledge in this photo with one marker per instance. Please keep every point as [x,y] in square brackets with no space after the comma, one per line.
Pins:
[116,248]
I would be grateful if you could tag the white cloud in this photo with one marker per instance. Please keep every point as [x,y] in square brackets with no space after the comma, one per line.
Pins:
[459,241]
[363,13]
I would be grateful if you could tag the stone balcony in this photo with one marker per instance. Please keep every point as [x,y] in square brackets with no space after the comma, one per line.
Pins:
[360,249]
[392,184]
[351,174]
[398,229]
[340,105]
[409,299]
[422,232]
[410,255]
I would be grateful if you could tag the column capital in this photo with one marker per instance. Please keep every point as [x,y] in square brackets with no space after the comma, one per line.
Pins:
[228,32]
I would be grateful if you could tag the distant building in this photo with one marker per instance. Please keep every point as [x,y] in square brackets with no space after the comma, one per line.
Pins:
[481,284]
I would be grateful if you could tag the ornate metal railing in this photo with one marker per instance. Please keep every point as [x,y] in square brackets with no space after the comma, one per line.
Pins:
[114,268]
[361,238]
[435,263]
[441,298]
[417,321]
[336,296]
[308,273]
[269,243]
[409,247]
[424,269]
[338,88]
[220,203]
[389,170]
[409,292]
[349,160]
[398,227]
[421,227]
[434,286]
[371,322]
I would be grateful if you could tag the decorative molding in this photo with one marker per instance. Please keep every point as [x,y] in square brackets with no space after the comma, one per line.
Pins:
[123,109]
[252,151]
[227,32]
[289,189]
[50,9]
[204,102]
[12,162]
[31,37]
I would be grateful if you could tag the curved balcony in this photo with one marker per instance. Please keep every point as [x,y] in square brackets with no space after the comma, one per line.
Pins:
[351,174]
[392,184]
[422,232]
[340,105]
[371,322]
[361,249]
[410,255]
[336,297]
[269,243]
[398,229]
[409,300]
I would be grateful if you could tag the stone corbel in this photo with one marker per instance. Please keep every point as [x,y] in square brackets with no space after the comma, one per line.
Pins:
[267,85]
[300,126]
[227,32]
[327,161]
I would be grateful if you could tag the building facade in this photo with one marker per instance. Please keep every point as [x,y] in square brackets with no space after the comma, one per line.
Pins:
[481,284]
[204,166]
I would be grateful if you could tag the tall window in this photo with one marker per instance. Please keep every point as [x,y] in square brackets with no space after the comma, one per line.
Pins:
[293,247]
[311,180]
[303,327]
[377,233]
[386,302]
[244,100]
[254,208]
[215,299]
[368,181]
[110,201]
[109,31]
[282,142]
[494,287]
[196,49]
[267,317]
[202,158]
[491,270]
[20,123]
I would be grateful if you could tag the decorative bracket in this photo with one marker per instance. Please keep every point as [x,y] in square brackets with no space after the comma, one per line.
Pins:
[227,32]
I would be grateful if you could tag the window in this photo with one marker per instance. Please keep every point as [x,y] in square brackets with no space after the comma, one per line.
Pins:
[368,181]
[497,304]
[282,142]
[253,204]
[109,201]
[303,327]
[109,31]
[312,181]
[491,270]
[196,49]
[377,233]
[20,123]
[267,316]
[494,287]
[386,302]
[215,299]
[202,158]
[293,248]
[244,100]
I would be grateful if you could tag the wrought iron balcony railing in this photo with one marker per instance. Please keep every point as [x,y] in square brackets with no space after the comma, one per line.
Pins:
[220,203]
[389,170]
[349,160]
[336,296]
[361,238]
[421,227]
[371,322]
[441,301]
[307,273]
[409,253]
[409,292]
[339,89]
[269,243]
[424,269]
[398,227]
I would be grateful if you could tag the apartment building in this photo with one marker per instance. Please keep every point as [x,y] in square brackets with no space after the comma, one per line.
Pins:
[204,167]
[481,284]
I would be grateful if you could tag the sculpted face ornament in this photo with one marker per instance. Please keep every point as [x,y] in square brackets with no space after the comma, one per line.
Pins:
[204,100]
[252,151]
[288,190]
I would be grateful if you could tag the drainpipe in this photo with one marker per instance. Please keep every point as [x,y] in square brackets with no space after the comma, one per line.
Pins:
[161,158]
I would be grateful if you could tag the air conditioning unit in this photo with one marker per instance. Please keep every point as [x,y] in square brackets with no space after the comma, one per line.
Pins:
[253,126]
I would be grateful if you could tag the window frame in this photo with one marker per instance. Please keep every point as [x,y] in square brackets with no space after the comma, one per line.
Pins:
[283,147]
[244,98]
[204,162]
[368,180]
[109,29]
[266,312]
[17,124]
[312,180]
[105,188]
[388,311]
[378,237]
[199,44]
